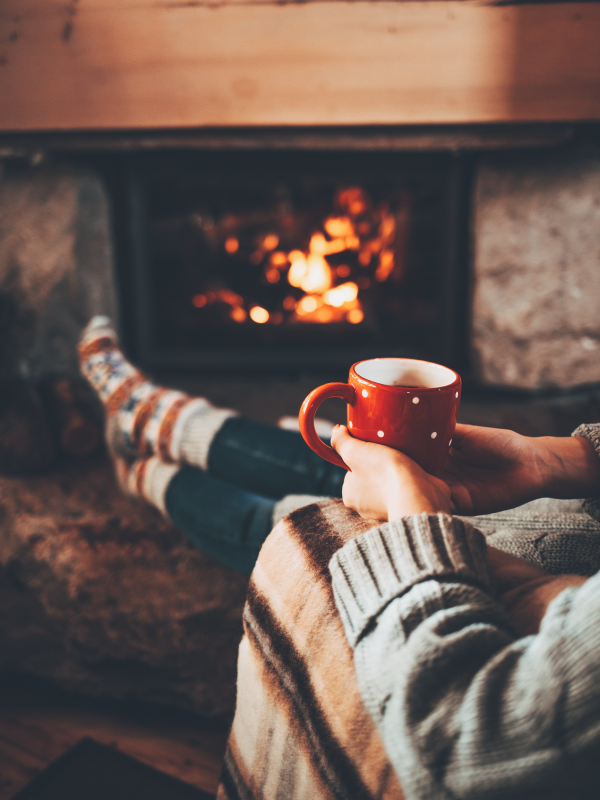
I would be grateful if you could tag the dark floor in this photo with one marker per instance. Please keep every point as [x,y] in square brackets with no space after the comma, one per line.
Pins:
[38,723]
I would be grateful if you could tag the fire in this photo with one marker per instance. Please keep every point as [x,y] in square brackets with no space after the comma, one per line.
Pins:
[355,248]
[345,293]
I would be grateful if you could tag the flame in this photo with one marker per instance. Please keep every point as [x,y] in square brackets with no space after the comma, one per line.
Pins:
[339,227]
[298,270]
[345,293]
[318,275]
[386,265]
[320,245]
[259,314]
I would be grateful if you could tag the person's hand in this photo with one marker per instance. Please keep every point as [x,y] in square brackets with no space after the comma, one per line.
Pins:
[524,590]
[490,469]
[384,483]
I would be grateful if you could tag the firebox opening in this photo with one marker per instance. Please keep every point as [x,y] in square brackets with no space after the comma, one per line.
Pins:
[288,260]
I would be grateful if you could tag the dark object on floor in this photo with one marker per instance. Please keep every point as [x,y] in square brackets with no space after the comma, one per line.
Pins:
[74,414]
[26,444]
[96,772]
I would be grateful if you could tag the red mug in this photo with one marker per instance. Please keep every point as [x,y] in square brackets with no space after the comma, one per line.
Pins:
[403,403]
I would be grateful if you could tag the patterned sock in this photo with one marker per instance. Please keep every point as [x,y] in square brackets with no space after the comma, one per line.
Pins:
[144,419]
[146,477]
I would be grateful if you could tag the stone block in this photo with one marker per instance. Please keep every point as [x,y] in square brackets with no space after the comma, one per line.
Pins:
[536,275]
[55,264]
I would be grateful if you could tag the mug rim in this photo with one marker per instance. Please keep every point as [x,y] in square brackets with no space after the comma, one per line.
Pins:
[407,389]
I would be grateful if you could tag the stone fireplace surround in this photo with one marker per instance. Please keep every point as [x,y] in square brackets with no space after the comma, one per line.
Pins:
[166,629]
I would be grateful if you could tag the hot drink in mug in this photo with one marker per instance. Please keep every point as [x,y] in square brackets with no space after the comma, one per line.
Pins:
[404,403]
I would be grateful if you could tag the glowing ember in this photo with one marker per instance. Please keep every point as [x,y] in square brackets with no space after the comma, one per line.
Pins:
[270,241]
[307,304]
[199,300]
[238,314]
[273,275]
[260,315]
[386,265]
[355,316]
[279,259]
[232,245]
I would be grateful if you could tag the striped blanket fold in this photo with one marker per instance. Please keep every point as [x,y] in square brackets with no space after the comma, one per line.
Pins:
[301,729]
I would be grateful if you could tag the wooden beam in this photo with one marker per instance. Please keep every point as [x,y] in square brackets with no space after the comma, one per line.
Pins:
[138,64]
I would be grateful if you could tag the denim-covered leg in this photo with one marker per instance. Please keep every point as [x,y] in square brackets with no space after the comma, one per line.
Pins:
[271,461]
[223,520]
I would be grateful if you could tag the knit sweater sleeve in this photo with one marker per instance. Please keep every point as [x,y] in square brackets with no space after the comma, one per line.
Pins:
[592,433]
[466,710]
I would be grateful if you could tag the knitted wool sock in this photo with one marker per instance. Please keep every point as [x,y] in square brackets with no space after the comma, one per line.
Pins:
[144,419]
[146,477]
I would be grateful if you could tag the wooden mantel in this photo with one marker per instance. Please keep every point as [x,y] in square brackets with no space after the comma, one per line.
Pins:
[139,64]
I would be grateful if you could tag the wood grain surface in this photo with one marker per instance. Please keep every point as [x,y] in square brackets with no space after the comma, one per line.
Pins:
[38,724]
[123,64]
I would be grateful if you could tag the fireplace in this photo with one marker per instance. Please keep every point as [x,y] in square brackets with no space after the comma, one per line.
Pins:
[289,259]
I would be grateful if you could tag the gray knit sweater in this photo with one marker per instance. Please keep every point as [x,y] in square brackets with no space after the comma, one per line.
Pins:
[465,709]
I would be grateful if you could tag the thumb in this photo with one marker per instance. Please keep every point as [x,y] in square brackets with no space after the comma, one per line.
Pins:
[339,436]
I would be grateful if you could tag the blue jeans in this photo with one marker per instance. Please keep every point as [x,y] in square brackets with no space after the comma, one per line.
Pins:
[227,511]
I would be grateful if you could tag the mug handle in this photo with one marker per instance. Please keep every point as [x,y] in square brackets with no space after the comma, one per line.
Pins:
[306,418]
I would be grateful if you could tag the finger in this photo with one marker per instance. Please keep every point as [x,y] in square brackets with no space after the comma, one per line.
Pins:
[461,432]
[341,439]
[336,432]
[354,452]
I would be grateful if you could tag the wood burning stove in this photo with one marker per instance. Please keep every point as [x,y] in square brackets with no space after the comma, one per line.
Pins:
[289,259]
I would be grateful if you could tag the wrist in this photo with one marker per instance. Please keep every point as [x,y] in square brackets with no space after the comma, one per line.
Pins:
[407,506]
[572,468]
[415,492]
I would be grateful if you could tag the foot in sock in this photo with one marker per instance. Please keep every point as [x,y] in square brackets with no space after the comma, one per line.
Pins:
[148,478]
[142,418]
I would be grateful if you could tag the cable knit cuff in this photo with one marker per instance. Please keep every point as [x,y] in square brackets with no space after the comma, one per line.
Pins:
[384,563]
[592,434]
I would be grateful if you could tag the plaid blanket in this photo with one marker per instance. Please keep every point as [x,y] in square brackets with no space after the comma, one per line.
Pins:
[301,729]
